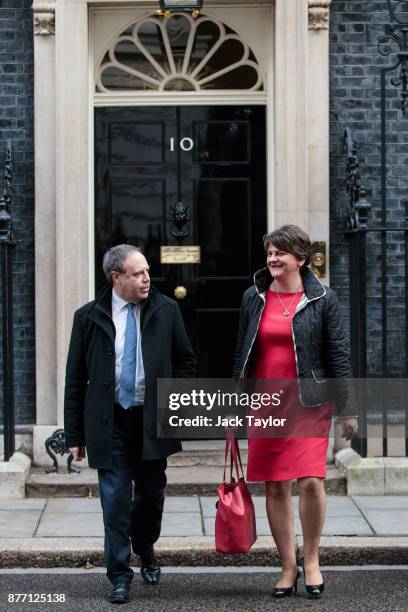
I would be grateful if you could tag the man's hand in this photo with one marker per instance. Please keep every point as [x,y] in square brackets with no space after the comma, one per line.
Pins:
[350,428]
[78,452]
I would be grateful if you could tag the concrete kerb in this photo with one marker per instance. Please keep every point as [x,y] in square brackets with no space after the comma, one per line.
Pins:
[200,551]
[373,475]
[358,550]
[13,476]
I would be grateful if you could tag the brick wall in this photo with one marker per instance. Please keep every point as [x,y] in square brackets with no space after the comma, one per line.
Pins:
[355,102]
[16,125]
[355,69]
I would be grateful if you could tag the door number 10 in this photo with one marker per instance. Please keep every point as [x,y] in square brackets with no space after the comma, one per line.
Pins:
[186,144]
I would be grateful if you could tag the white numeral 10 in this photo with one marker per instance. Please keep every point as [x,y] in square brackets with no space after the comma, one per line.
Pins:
[186,144]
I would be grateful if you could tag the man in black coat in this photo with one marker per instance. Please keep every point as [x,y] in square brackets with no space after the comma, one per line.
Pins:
[121,343]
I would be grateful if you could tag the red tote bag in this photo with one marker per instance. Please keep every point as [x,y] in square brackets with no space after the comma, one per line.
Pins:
[235,527]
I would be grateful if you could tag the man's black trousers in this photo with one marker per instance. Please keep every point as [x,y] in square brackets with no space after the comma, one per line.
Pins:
[130,516]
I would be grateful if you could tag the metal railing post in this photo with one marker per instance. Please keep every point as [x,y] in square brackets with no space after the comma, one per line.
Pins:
[6,245]
[359,208]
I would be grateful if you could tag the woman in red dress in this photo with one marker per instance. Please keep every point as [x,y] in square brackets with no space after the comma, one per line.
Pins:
[291,328]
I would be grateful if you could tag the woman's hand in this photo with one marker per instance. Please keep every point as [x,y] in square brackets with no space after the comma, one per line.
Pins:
[350,428]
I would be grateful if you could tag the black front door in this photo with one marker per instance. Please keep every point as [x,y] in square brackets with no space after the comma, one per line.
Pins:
[180,176]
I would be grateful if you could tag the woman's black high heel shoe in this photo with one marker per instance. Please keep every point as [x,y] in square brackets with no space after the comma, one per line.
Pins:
[280,592]
[313,589]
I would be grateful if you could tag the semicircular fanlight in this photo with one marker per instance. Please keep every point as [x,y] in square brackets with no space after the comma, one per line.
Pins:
[178,53]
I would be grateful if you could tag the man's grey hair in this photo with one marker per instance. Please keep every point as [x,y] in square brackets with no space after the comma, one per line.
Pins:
[114,258]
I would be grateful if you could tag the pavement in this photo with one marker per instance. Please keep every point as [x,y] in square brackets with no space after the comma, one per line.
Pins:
[56,532]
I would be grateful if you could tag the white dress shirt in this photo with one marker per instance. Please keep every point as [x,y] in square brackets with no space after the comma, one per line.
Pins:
[119,316]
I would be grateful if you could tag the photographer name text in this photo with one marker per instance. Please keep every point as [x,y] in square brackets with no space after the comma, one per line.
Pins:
[236,421]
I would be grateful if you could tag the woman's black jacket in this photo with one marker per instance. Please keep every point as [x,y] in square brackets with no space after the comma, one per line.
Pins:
[320,342]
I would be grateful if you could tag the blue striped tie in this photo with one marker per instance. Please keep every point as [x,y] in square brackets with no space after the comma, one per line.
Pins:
[128,374]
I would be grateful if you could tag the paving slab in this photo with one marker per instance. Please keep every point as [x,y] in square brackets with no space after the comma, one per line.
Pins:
[18,524]
[332,526]
[23,504]
[73,505]
[182,504]
[353,526]
[186,524]
[388,522]
[209,526]
[381,502]
[341,506]
[336,506]
[262,526]
[208,506]
[67,524]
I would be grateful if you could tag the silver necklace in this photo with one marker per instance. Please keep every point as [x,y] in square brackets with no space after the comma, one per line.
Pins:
[286,309]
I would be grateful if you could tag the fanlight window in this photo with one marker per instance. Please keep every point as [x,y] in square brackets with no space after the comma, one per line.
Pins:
[178,53]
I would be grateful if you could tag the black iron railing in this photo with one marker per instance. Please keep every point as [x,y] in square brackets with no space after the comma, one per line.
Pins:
[369,258]
[378,254]
[357,227]
[6,245]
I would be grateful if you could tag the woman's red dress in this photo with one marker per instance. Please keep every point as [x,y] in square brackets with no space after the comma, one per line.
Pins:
[293,457]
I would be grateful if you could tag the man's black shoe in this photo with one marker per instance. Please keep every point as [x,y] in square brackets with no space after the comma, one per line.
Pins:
[119,593]
[150,568]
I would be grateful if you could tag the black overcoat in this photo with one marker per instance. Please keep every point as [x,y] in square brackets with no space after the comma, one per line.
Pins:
[90,374]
